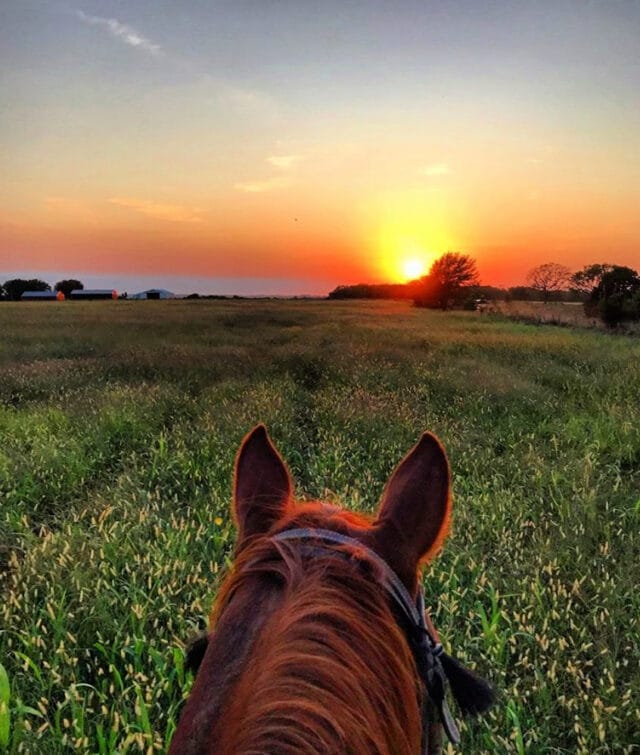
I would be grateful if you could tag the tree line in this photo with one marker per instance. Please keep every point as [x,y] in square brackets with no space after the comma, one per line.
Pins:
[14,288]
[611,292]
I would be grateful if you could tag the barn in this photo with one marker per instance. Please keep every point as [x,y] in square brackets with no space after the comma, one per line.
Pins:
[90,294]
[154,293]
[42,296]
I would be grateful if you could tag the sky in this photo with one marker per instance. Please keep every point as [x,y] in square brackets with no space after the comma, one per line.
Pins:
[288,146]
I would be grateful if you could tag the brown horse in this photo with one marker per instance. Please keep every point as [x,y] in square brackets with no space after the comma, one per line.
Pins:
[318,641]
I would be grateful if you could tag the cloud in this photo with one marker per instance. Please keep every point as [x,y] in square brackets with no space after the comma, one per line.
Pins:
[436,169]
[125,33]
[268,184]
[284,162]
[281,162]
[171,212]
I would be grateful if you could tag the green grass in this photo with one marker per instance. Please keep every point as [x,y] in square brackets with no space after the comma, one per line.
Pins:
[118,427]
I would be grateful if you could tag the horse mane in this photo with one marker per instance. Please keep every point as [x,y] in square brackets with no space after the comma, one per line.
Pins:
[330,670]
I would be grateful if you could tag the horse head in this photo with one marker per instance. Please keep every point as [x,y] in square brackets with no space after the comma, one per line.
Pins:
[318,641]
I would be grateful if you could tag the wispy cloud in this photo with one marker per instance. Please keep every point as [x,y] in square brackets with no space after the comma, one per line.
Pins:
[123,32]
[172,212]
[284,162]
[269,184]
[436,169]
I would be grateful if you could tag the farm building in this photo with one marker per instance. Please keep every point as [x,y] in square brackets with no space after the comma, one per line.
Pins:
[154,293]
[87,294]
[42,296]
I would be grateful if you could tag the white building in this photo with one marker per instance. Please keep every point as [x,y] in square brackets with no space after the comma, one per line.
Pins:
[153,293]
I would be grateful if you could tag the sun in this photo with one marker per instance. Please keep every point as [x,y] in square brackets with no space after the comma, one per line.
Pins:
[404,256]
[413,268]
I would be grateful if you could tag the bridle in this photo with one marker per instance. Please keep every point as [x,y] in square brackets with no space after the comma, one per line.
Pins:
[436,669]
[427,651]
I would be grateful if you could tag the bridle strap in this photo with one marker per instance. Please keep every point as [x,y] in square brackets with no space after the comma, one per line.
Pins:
[422,637]
[391,581]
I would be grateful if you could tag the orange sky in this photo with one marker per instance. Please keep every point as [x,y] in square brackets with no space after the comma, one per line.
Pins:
[333,146]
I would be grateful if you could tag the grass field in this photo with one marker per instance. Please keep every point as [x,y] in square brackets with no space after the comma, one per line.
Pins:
[569,314]
[540,313]
[118,427]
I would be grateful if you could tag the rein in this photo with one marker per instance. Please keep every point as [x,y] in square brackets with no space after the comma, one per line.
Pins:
[427,651]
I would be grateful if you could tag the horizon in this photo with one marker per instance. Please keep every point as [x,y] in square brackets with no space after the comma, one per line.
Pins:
[228,287]
[184,285]
[278,150]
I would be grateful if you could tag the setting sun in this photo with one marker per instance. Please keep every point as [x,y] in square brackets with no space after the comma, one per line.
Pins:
[413,268]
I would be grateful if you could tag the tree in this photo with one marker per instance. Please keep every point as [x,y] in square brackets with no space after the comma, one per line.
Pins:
[522,293]
[619,280]
[548,277]
[374,291]
[448,278]
[589,277]
[616,297]
[68,285]
[17,286]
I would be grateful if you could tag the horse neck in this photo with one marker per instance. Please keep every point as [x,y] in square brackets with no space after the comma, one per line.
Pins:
[329,672]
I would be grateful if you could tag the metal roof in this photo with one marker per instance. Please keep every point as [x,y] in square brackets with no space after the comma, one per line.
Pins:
[87,291]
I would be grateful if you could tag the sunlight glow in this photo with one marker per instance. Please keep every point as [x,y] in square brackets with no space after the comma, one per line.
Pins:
[413,268]
[406,258]
[413,230]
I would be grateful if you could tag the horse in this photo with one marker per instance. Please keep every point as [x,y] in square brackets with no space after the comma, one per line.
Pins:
[318,640]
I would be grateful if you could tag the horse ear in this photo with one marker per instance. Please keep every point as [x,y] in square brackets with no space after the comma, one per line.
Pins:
[413,517]
[262,486]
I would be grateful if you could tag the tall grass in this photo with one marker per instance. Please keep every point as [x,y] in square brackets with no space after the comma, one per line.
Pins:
[564,314]
[118,427]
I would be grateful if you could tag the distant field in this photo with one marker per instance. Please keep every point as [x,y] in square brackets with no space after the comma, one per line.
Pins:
[540,313]
[569,314]
[118,427]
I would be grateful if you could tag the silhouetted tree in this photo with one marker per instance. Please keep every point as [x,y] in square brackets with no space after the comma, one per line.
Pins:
[68,285]
[549,277]
[375,291]
[522,293]
[356,291]
[616,297]
[448,280]
[619,280]
[490,293]
[17,286]
[589,277]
